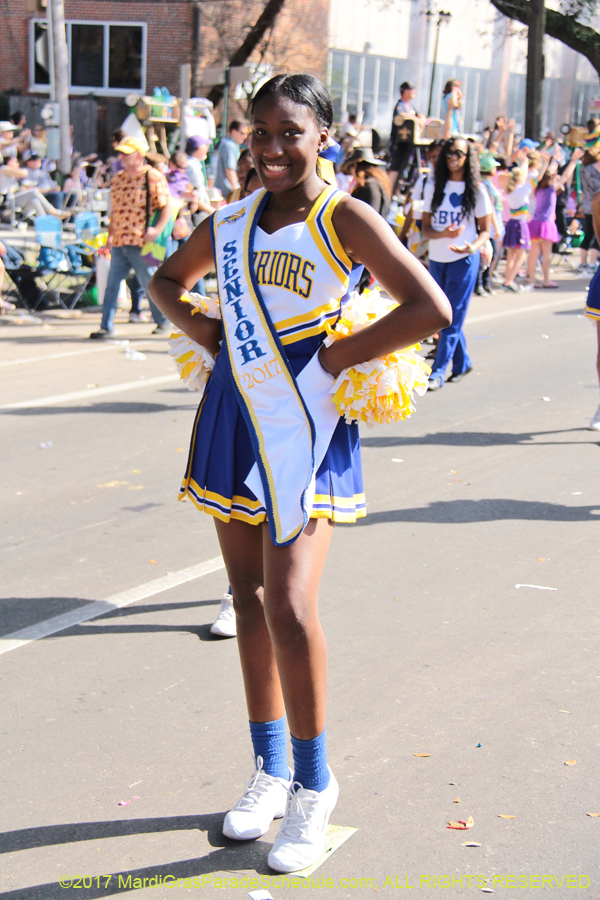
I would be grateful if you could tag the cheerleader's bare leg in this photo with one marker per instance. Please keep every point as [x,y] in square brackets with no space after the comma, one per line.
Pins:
[281,642]
[284,665]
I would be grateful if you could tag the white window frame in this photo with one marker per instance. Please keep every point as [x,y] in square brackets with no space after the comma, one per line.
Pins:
[103,91]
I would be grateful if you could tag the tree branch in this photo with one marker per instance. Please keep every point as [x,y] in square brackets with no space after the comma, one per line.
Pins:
[567,29]
[265,21]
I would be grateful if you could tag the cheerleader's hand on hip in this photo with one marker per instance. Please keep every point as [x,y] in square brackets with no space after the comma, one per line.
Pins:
[208,333]
[327,358]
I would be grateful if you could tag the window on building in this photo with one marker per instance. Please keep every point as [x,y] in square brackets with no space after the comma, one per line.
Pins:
[104,57]
[124,57]
[41,64]
[87,55]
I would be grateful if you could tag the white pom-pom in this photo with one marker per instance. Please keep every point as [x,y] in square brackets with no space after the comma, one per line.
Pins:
[193,361]
[380,390]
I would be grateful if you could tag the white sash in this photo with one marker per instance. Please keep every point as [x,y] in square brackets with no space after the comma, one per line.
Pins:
[290,420]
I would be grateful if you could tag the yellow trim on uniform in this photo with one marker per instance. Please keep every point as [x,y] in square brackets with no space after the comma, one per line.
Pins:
[226,502]
[307,317]
[301,335]
[343,517]
[589,311]
[349,502]
[328,223]
[312,227]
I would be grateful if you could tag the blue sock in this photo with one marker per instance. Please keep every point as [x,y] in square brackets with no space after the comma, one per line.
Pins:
[269,740]
[310,762]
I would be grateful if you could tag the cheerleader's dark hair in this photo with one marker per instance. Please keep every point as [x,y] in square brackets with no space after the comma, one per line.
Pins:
[471,176]
[303,89]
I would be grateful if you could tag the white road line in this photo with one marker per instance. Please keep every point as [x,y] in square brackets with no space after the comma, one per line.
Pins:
[24,360]
[90,392]
[99,607]
[524,309]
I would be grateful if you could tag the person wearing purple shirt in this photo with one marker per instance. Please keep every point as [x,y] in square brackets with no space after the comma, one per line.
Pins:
[542,227]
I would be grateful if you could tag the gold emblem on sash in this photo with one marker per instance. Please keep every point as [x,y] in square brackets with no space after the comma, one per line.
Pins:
[233,218]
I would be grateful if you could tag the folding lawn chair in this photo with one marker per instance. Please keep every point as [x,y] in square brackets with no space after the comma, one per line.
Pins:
[28,288]
[64,265]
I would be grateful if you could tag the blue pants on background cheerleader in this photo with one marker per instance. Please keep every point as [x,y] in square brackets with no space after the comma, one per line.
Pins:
[457,280]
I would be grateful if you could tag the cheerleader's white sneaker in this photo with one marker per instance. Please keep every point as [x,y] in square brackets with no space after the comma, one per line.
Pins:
[264,800]
[301,838]
[225,624]
[595,423]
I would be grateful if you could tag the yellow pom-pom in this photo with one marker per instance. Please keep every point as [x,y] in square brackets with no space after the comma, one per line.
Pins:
[207,305]
[381,390]
[193,361]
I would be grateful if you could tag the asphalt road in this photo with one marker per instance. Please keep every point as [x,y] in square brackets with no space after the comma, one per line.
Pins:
[433,649]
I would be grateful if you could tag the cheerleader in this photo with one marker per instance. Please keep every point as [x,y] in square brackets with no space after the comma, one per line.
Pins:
[268,460]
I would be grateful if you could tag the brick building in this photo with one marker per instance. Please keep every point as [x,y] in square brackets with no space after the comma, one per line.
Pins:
[118,48]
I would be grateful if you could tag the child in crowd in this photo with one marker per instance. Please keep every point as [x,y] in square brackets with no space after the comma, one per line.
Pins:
[517,239]
[542,227]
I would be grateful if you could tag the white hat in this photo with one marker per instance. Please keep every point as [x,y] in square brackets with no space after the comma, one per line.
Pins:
[7,126]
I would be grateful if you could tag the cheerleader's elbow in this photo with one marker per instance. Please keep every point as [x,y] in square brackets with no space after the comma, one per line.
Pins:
[444,314]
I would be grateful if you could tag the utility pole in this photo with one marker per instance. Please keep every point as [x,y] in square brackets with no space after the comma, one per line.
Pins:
[225,109]
[441,17]
[535,69]
[60,59]
[185,71]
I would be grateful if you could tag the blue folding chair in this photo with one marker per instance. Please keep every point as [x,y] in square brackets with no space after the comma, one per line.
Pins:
[61,264]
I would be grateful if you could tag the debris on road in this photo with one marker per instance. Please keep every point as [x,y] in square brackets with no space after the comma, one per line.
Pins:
[461,825]
[135,355]
[539,587]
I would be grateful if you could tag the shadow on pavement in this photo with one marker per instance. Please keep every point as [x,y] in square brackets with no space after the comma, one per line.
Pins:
[230,856]
[451,512]
[127,407]
[471,439]
[21,612]
[202,632]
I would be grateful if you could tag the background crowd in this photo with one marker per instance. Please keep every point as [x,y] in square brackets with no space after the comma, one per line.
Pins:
[485,213]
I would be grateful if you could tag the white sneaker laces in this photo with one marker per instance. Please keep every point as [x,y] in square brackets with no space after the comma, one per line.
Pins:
[298,818]
[256,788]
[227,611]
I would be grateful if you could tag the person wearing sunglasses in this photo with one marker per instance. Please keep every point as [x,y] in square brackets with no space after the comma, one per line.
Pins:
[457,215]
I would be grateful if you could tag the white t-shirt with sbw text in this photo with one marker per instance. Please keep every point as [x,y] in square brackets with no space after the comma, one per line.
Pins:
[450,213]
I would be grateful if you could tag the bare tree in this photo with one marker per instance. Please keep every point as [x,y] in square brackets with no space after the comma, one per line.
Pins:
[255,35]
[567,25]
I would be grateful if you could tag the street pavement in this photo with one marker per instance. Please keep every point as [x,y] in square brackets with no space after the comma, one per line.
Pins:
[433,646]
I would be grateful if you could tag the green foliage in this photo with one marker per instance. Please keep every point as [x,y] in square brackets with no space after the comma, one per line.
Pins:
[583,10]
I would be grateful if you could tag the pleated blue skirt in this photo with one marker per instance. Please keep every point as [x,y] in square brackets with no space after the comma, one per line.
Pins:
[221,455]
